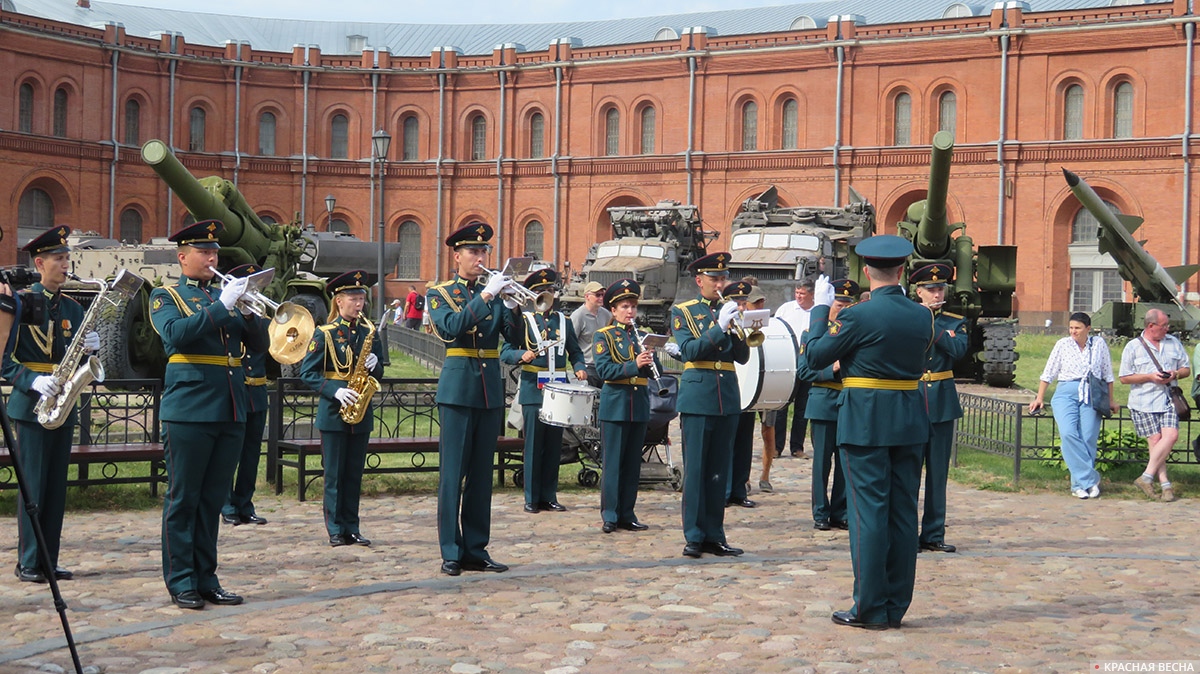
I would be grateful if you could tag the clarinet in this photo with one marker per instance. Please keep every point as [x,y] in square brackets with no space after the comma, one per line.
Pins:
[662,390]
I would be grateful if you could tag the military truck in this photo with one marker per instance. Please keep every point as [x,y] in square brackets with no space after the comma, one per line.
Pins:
[302,259]
[780,245]
[653,245]
[984,276]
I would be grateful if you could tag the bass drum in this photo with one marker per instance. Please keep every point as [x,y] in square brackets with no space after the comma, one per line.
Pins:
[767,379]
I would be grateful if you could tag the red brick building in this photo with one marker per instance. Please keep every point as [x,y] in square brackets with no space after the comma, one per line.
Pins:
[541,141]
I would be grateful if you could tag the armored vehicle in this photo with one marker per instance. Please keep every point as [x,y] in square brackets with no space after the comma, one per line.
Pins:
[653,245]
[984,276]
[780,245]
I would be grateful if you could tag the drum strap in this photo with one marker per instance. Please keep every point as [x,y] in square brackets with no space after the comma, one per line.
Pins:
[632,381]
[938,376]
[880,384]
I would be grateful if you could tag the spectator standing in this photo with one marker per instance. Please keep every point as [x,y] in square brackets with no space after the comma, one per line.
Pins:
[796,315]
[586,320]
[414,309]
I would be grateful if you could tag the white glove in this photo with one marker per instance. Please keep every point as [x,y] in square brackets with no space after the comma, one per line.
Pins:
[245,309]
[823,291]
[91,341]
[672,349]
[232,291]
[496,283]
[729,311]
[45,385]
[372,361]
[510,303]
[346,396]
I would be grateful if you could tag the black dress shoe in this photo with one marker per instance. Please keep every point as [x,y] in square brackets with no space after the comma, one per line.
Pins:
[609,527]
[337,540]
[632,526]
[553,505]
[893,624]
[231,519]
[451,568]
[938,547]
[531,507]
[356,539]
[63,574]
[822,525]
[744,502]
[692,550]
[721,549]
[850,620]
[842,524]
[28,575]
[487,564]
[222,597]
[253,519]
[189,599]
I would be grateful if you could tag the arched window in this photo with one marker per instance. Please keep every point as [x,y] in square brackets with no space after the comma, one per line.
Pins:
[1085,228]
[1123,111]
[25,109]
[266,134]
[339,225]
[35,214]
[267,219]
[533,239]
[612,132]
[339,137]
[902,120]
[196,120]
[409,236]
[131,226]
[133,122]
[60,112]
[1092,283]
[412,128]
[188,219]
[791,125]
[537,136]
[649,118]
[478,138]
[749,126]
[1073,113]
[948,112]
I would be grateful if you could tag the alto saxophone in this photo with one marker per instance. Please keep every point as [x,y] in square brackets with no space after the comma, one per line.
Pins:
[361,381]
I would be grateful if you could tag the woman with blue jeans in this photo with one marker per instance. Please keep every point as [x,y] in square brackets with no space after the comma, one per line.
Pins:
[1072,359]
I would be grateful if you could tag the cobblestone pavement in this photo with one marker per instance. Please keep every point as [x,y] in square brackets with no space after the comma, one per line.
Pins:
[1041,583]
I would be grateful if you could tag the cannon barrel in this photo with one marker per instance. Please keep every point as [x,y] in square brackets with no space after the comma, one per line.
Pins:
[932,241]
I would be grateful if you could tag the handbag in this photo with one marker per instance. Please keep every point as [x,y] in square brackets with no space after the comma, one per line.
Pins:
[1098,392]
[1174,393]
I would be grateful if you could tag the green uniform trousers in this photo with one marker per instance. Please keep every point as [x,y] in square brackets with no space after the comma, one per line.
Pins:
[44,457]
[200,462]
[937,471]
[826,506]
[466,451]
[881,486]
[621,445]
[344,455]
[740,459]
[241,496]
[707,457]
[543,454]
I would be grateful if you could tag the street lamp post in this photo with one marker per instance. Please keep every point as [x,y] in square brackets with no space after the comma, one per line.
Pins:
[330,202]
[381,141]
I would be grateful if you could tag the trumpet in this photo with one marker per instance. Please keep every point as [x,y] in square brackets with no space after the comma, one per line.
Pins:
[654,374]
[543,301]
[291,327]
[755,337]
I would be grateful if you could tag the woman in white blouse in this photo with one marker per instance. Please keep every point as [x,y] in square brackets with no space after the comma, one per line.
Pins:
[1070,362]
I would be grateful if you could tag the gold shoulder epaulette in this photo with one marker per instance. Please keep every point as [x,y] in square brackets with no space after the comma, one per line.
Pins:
[443,284]
[688,303]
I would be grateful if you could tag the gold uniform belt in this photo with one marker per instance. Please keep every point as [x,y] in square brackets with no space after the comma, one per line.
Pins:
[707,365]
[938,376]
[632,381]
[256,381]
[835,385]
[881,384]
[473,353]
[40,367]
[533,368]
[194,359]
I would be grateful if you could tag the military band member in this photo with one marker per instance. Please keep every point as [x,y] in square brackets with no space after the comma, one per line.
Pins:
[333,356]
[44,453]
[239,507]
[543,442]
[828,507]
[709,404]
[881,427]
[950,342]
[471,317]
[736,491]
[624,368]
[203,409]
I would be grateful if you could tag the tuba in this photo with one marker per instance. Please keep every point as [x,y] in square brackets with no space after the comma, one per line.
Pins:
[361,381]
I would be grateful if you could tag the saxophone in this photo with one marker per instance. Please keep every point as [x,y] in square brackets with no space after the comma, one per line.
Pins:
[361,381]
[70,375]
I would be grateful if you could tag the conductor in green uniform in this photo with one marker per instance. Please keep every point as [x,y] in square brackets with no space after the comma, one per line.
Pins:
[203,411]
[471,318]
[709,403]
[882,427]
[44,452]
[239,507]
[334,354]
[624,406]
[950,342]
[543,442]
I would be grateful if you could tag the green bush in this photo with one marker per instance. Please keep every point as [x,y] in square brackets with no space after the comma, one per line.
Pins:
[1111,449]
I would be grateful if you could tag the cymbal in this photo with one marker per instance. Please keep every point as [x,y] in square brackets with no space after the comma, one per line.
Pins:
[290,331]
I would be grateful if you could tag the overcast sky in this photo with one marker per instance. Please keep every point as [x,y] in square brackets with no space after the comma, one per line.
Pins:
[461,11]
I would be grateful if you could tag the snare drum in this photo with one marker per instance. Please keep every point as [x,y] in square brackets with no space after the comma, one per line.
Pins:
[567,404]
[767,379]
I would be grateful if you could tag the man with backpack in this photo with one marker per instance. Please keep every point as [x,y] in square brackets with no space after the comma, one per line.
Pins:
[414,309]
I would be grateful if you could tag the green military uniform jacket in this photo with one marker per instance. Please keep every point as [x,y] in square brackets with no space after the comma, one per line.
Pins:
[471,329]
[626,393]
[331,360]
[826,386]
[205,379]
[887,410]
[950,342]
[255,364]
[522,339]
[37,350]
[711,388]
